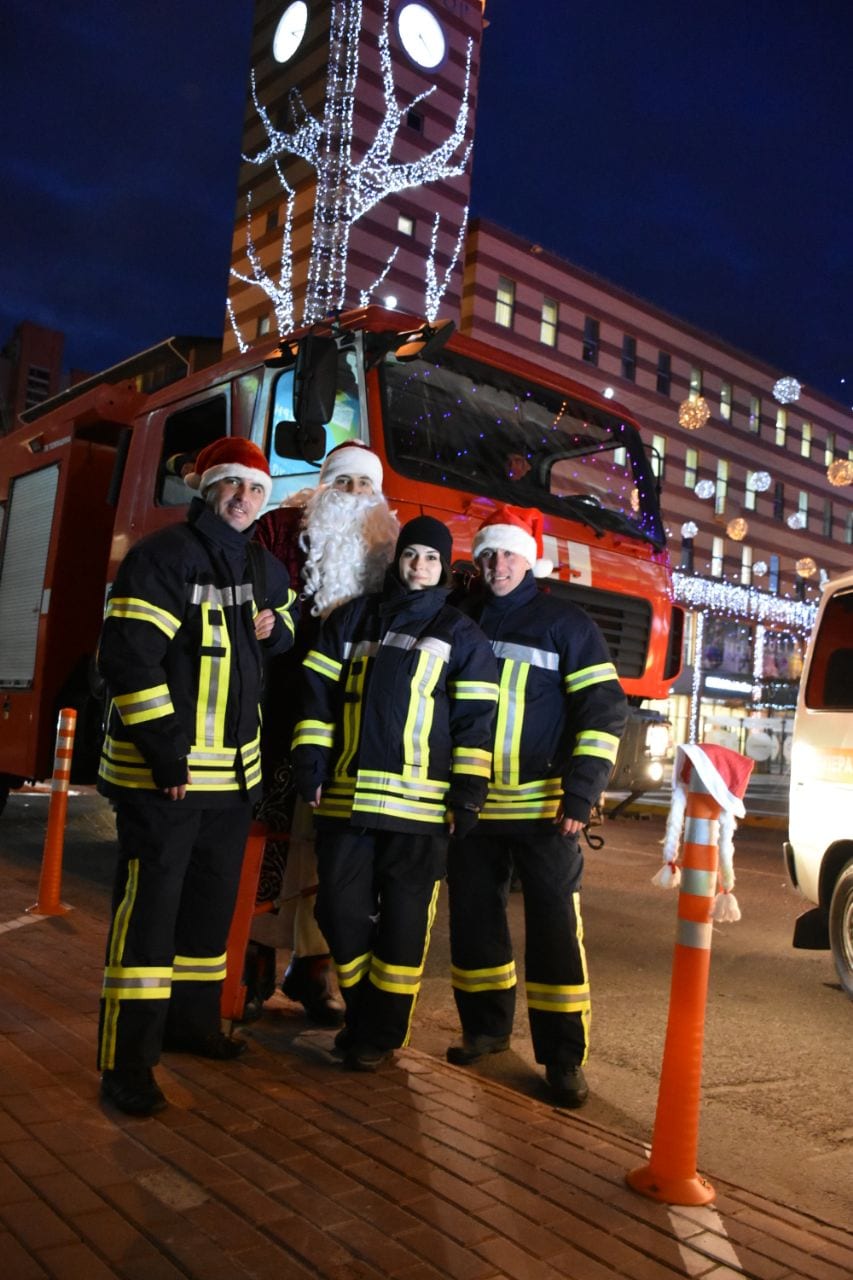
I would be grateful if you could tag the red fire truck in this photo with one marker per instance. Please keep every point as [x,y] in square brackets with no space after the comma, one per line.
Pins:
[460,427]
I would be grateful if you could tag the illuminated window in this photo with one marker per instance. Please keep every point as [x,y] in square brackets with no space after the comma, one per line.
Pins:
[548,322]
[745,566]
[848,529]
[755,415]
[717,558]
[505,302]
[590,340]
[405,224]
[664,373]
[263,326]
[695,383]
[806,441]
[691,468]
[749,494]
[726,401]
[781,428]
[773,579]
[658,455]
[803,508]
[629,357]
[829,449]
[722,487]
[620,457]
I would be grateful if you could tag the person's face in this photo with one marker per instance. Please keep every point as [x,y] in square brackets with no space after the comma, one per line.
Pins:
[517,466]
[236,500]
[502,571]
[353,484]
[419,567]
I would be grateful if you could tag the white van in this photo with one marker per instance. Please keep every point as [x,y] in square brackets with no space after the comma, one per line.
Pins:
[819,849]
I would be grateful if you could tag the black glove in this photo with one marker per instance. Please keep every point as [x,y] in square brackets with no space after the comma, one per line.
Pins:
[464,822]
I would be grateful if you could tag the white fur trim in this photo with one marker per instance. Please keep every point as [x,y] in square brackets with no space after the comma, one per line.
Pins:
[224,469]
[505,537]
[352,461]
[543,568]
[707,771]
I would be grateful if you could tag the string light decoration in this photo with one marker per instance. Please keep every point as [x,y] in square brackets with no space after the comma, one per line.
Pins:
[758,661]
[696,682]
[693,414]
[737,529]
[346,188]
[759,569]
[689,529]
[718,597]
[435,288]
[796,520]
[759,481]
[786,390]
[806,567]
[365,295]
[840,472]
[705,489]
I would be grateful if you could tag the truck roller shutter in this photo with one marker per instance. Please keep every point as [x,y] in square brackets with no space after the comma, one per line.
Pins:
[29,519]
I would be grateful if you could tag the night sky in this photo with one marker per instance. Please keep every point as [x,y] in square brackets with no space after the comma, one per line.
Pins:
[697,156]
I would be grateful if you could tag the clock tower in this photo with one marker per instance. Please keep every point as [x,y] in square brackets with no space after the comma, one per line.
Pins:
[356,175]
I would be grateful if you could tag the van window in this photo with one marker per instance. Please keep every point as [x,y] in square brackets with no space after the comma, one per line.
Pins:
[185,433]
[830,682]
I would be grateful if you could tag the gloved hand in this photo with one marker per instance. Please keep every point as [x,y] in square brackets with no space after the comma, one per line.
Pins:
[464,822]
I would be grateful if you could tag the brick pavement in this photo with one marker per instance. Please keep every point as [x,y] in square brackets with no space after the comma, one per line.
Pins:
[284,1166]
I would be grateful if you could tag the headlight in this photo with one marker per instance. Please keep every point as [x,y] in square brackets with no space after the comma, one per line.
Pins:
[657,740]
[655,770]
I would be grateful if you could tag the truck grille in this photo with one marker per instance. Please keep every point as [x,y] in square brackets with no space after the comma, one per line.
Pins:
[625,622]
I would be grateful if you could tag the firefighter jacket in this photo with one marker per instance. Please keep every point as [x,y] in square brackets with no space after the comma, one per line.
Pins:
[561,709]
[183,667]
[400,696]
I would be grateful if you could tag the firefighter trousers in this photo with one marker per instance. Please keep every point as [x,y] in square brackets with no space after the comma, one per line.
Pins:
[173,899]
[550,867]
[376,906]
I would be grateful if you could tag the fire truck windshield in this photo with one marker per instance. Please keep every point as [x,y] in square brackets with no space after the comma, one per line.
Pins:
[485,430]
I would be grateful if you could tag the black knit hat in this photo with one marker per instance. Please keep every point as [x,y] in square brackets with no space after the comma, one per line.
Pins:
[426,532]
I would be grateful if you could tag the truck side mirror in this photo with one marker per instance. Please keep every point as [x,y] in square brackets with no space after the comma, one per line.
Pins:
[307,442]
[315,380]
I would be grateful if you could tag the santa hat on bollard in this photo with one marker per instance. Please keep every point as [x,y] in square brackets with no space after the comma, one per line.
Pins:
[230,456]
[724,775]
[517,529]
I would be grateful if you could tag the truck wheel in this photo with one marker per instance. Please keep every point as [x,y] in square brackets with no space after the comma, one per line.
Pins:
[841,927]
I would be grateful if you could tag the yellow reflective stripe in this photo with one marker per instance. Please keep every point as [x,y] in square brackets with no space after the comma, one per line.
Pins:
[536,789]
[323,664]
[431,914]
[419,717]
[145,704]
[130,609]
[136,984]
[118,937]
[370,779]
[199,968]
[591,743]
[213,677]
[352,716]
[317,733]
[283,612]
[399,980]
[500,978]
[473,761]
[481,690]
[587,676]
[557,999]
[510,720]
[351,973]
[394,807]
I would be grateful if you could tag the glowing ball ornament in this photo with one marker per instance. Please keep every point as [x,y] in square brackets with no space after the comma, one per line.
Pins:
[705,489]
[796,521]
[806,568]
[787,390]
[759,568]
[840,472]
[693,414]
[759,481]
[689,529]
[737,529]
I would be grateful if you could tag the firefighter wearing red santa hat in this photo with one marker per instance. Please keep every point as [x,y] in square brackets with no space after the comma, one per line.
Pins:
[561,712]
[192,609]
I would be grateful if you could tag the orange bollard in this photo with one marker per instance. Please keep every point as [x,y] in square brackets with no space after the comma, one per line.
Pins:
[233,997]
[50,880]
[670,1174]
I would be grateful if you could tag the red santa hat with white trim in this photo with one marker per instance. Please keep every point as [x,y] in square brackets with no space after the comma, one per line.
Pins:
[230,456]
[724,775]
[517,529]
[352,458]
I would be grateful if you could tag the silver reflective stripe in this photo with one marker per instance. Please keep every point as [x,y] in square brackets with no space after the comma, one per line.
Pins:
[703,883]
[218,631]
[361,649]
[701,831]
[138,984]
[431,644]
[206,593]
[691,934]
[526,653]
[422,705]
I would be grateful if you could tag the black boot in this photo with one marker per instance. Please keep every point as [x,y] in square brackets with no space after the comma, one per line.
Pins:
[308,981]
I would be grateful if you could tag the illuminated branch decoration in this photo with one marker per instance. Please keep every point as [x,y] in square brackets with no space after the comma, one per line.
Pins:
[346,189]
[435,289]
[365,295]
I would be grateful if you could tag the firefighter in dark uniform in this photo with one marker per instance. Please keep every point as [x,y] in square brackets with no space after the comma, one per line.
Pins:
[394,749]
[188,619]
[561,712]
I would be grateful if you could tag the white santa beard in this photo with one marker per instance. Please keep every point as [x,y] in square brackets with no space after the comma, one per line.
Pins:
[350,540]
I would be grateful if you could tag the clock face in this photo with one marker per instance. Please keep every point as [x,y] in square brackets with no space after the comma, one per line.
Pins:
[421,35]
[290,30]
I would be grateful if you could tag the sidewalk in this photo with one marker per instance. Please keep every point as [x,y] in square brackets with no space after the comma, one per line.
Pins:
[282,1165]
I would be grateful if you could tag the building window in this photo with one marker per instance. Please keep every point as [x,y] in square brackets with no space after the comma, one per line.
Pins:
[505,302]
[263,326]
[829,449]
[664,373]
[781,428]
[272,218]
[620,457]
[848,531]
[749,495]
[590,340]
[629,357]
[548,322]
[717,558]
[803,508]
[691,468]
[773,579]
[755,415]
[745,566]
[726,401]
[38,386]
[658,455]
[685,564]
[695,383]
[415,121]
[405,224]
[806,441]
[779,501]
[827,517]
[722,486]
